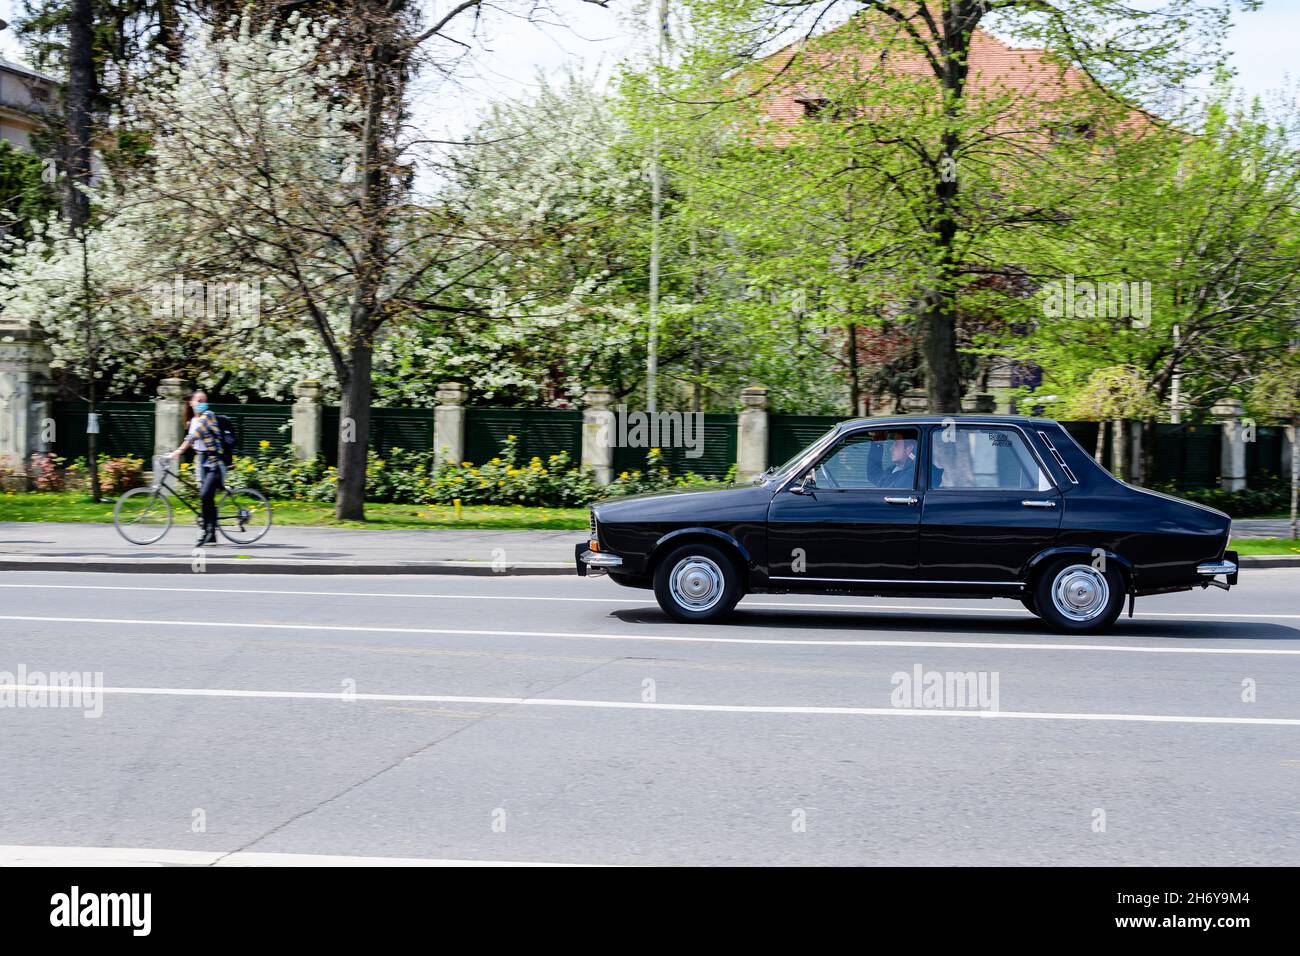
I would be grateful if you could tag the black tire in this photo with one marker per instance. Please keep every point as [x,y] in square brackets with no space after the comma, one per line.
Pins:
[700,571]
[142,515]
[1073,597]
[243,515]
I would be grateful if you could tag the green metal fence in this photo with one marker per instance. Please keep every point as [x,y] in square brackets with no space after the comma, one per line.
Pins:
[410,429]
[1188,455]
[715,451]
[1264,455]
[540,432]
[787,435]
[125,428]
[255,424]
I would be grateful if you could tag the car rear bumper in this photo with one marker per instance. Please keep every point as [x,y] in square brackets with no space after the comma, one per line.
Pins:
[594,562]
[1226,566]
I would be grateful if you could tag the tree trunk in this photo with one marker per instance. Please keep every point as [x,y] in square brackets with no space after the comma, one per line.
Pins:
[942,371]
[854,387]
[76,204]
[354,433]
[1099,449]
[81,85]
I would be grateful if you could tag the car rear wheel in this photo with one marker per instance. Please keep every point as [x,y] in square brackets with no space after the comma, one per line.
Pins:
[696,583]
[1078,598]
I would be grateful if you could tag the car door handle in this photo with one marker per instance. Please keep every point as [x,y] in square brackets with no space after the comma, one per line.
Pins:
[909,500]
[1048,503]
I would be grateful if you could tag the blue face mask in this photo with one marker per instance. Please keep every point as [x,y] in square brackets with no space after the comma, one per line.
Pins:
[200,407]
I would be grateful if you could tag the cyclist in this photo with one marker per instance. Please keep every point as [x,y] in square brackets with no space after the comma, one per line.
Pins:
[203,434]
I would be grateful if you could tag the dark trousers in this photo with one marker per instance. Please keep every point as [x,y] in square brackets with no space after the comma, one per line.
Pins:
[210,476]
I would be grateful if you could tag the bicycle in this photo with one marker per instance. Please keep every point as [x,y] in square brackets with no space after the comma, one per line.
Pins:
[144,515]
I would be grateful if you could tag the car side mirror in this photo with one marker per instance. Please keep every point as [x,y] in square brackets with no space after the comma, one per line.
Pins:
[807,486]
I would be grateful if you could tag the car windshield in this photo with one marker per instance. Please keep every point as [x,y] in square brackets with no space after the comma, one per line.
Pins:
[777,473]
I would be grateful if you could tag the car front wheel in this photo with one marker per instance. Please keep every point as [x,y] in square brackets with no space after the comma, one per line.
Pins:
[696,583]
[1078,598]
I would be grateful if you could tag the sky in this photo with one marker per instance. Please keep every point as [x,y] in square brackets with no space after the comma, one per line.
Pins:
[573,35]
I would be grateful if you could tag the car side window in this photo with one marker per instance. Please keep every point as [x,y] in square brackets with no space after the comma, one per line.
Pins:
[966,457]
[876,459]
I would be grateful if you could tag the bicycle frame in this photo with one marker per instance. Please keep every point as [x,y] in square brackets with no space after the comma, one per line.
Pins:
[160,483]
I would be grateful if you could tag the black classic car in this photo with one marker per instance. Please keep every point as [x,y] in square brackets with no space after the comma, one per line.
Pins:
[989,506]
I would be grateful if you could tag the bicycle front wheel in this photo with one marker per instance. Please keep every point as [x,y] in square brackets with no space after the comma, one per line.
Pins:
[243,515]
[142,515]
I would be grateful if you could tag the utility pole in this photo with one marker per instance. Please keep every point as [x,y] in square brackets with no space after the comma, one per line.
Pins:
[656,218]
[1176,387]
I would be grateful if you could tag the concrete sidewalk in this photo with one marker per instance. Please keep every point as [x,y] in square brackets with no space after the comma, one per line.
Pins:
[49,546]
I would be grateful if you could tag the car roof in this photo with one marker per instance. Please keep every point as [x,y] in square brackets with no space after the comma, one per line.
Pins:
[931,419]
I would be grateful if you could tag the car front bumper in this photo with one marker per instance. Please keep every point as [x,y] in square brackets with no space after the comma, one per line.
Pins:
[594,562]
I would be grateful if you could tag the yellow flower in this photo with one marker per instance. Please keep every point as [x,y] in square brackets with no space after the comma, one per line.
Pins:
[623,475]
[510,438]
[264,444]
[467,464]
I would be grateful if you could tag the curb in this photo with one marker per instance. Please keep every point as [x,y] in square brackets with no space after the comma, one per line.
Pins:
[1269,561]
[236,566]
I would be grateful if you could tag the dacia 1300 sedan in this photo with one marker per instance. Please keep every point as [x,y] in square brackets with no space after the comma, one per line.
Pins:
[919,506]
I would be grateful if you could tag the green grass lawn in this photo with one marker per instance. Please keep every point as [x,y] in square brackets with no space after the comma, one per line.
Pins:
[1265,546]
[74,506]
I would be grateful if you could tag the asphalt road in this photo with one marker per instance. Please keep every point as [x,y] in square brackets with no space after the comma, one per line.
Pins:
[561,720]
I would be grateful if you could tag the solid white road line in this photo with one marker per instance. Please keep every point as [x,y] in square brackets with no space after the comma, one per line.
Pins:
[346,697]
[670,638]
[1012,608]
[142,856]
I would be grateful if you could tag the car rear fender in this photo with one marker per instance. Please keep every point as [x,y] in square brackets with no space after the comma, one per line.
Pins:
[1089,556]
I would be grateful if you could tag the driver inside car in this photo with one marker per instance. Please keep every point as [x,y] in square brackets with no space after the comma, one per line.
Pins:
[901,471]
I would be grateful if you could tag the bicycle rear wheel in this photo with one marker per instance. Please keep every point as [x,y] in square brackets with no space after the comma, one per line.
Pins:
[142,515]
[243,515]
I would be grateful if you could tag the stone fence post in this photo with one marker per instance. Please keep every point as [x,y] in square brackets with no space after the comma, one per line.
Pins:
[449,424]
[308,420]
[598,434]
[26,393]
[1232,444]
[169,415]
[751,434]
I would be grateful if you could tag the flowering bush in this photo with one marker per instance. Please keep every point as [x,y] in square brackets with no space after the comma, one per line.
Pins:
[46,472]
[117,475]
[556,483]
[409,477]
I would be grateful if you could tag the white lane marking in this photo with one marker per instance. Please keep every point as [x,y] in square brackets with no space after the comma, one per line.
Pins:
[144,856]
[1005,609]
[675,639]
[691,708]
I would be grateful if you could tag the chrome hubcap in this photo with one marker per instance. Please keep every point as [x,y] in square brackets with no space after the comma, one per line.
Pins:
[696,583]
[1080,592]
